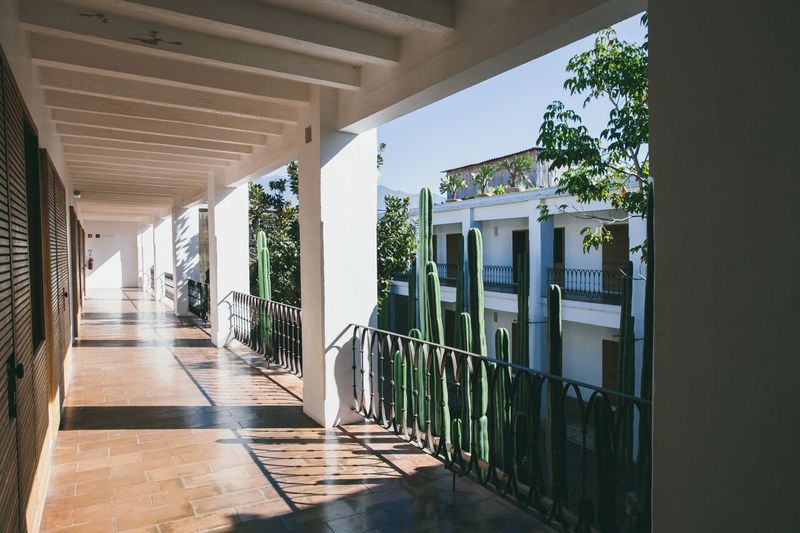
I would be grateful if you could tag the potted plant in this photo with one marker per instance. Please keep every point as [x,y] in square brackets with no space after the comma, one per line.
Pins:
[518,168]
[497,191]
[483,176]
[450,185]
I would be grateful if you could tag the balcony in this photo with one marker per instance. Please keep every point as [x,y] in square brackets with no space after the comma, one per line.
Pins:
[586,285]
[495,278]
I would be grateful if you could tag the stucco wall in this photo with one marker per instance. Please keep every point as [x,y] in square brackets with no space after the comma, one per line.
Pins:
[114,253]
[497,248]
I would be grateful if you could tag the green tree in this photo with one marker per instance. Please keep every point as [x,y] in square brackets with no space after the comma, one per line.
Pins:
[614,165]
[483,176]
[397,245]
[451,183]
[273,211]
[518,168]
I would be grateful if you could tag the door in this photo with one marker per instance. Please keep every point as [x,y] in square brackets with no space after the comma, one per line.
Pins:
[557,275]
[519,245]
[454,248]
[616,253]
[610,365]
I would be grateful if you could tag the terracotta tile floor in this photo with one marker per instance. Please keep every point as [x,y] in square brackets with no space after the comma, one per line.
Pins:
[164,432]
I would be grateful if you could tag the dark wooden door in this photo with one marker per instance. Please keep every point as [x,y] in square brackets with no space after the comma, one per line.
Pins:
[610,365]
[519,245]
[9,474]
[616,253]
[454,248]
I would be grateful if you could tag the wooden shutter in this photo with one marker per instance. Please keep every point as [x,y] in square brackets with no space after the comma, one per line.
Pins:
[9,480]
[28,454]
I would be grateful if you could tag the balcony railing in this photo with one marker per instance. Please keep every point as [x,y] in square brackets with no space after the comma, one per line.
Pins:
[573,452]
[495,278]
[270,328]
[151,275]
[199,294]
[604,286]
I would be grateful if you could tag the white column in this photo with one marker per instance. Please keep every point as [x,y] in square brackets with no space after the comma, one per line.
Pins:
[228,252]
[162,237]
[338,178]
[148,255]
[540,250]
[637,234]
[186,235]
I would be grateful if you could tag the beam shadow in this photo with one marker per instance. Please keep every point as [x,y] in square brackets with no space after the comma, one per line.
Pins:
[144,343]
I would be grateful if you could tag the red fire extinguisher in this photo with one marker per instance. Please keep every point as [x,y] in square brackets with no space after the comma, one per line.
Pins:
[90,263]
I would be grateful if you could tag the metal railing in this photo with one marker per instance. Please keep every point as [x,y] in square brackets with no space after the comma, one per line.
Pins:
[270,328]
[199,296]
[169,285]
[495,278]
[151,274]
[603,286]
[574,453]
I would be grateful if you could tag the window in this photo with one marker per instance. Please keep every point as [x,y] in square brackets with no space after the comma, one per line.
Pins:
[34,199]
[558,247]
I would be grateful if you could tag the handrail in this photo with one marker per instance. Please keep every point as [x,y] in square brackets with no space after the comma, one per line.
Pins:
[567,449]
[199,296]
[605,286]
[496,278]
[271,328]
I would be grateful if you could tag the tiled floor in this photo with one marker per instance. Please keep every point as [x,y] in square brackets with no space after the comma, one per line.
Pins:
[164,432]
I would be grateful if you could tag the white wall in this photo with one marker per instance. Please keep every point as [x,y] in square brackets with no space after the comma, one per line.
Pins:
[504,320]
[115,254]
[163,252]
[583,351]
[497,248]
[573,243]
[441,231]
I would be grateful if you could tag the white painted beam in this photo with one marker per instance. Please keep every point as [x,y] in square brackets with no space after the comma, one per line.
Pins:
[114,168]
[161,127]
[167,140]
[84,177]
[134,162]
[93,58]
[271,25]
[76,151]
[44,16]
[70,140]
[432,15]
[98,104]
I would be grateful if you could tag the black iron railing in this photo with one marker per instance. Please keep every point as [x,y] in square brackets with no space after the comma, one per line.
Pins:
[270,328]
[169,285]
[603,286]
[199,296]
[495,278]
[151,275]
[575,453]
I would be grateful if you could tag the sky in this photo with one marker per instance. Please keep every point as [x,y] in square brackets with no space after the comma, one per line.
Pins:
[499,116]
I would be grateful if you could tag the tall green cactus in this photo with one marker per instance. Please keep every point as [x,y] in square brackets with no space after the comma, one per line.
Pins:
[480,385]
[627,363]
[424,254]
[461,425]
[556,422]
[502,401]
[440,411]
[418,377]
[412,296]
[523,289]
[264,290]
[460,289]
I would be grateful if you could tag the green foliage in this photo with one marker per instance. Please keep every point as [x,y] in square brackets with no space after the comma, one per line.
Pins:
[483,176]
[271,212]
[518,168]
[614,165]
[381,148]
[451,183]
[396,241]
[497,191]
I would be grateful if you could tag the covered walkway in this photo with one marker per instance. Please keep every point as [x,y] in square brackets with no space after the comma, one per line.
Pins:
[162,431]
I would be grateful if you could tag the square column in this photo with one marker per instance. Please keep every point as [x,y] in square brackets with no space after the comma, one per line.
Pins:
[338,262]
[228,252]
[186,234]
[637,234]
[147,255]
[540,251]
[164,260]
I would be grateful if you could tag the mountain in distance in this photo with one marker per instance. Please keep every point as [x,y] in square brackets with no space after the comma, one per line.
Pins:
[413,199]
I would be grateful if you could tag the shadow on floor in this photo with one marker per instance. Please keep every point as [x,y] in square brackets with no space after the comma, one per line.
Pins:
[144,343]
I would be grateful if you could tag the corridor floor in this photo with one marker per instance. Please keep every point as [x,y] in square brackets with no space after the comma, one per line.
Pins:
[162,431]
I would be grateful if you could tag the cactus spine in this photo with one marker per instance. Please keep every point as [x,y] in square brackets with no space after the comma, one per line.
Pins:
[556,424]
[480,401]
[523,288]
[440,412]
[264,290]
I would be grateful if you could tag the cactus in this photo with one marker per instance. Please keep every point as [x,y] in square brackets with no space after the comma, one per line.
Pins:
[412,297]
[424,254]
[627,358]
[418,377]
[264,290]
[460,289]
[400,383]
[464,343]
[606,468]
[556,423]
[440,411]
[502,408]
[480,385]
[523,288]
